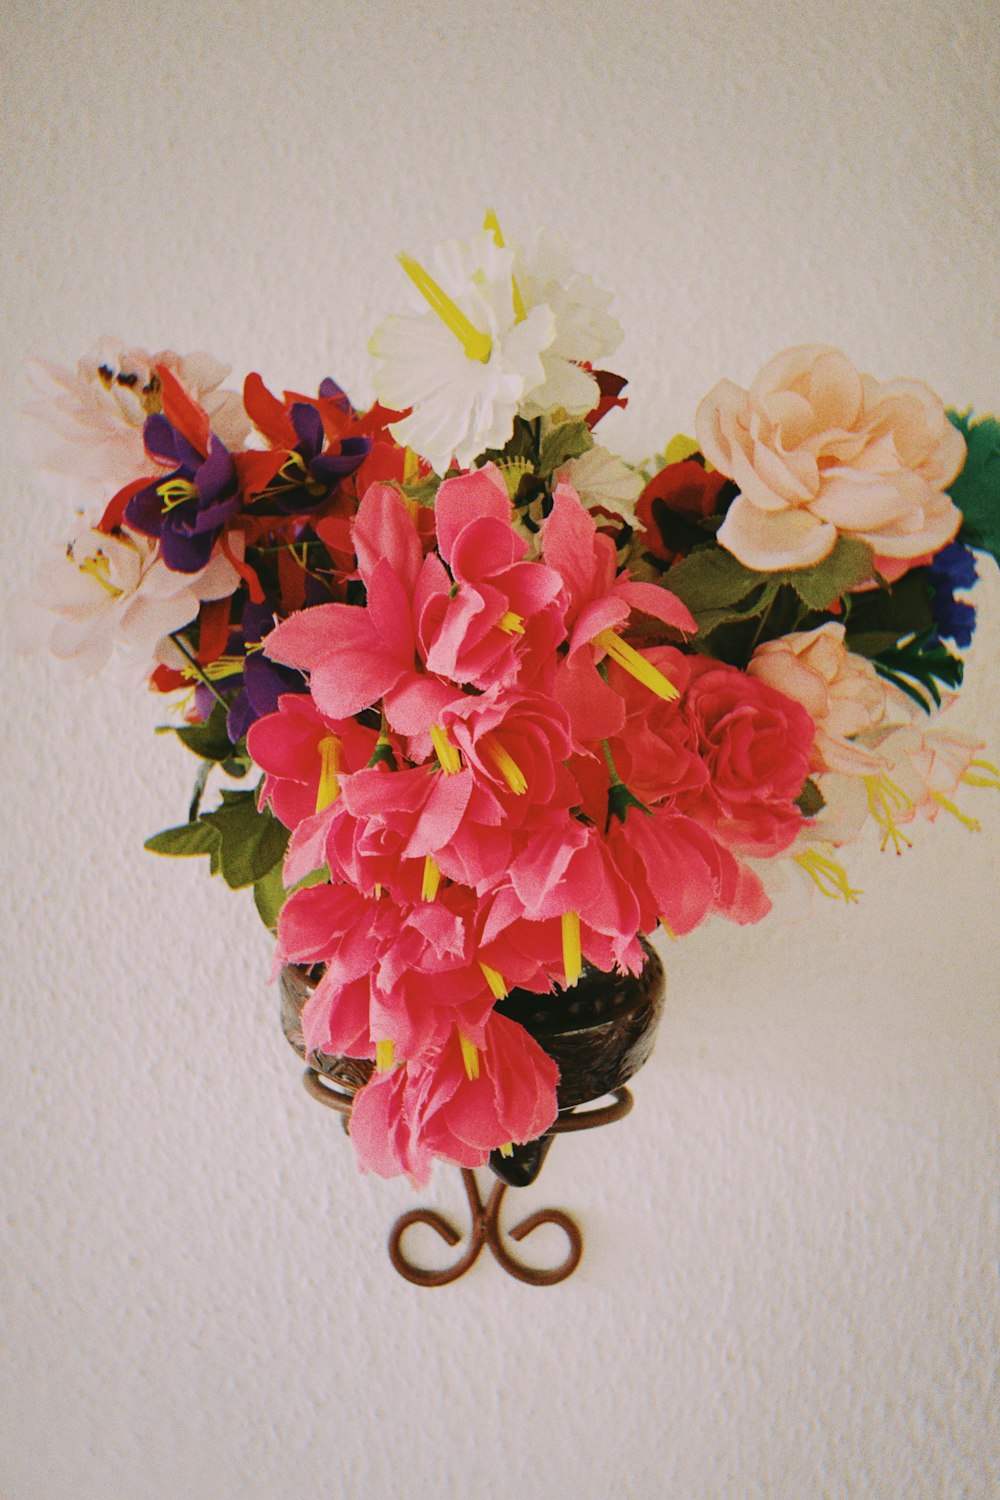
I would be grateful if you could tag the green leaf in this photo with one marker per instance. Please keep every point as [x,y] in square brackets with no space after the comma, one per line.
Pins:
[918,667]
[810,800]
[849,564]
[976,490]
[269,896]
[568,440]
[209,740]
[710,578]
[878,618]
[251,839]
[189,838]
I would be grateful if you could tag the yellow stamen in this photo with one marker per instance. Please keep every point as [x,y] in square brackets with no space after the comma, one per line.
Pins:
[671,934]
[329,784]
[470,1056]
[507,1149]
[411,466]
[973,824]
[215,671]
[477,345]
[992,779]
[175,491]
[505,763]
[431,881]
[828,876]
[448,756]
[100,569]
[492,224]
[885,799]
[511,622]
[637,666]
[385,1056]
[572,955]
[378,890]
[495,981]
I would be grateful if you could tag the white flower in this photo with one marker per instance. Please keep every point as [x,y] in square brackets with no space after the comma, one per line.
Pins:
[584,331]
[83,429]
[604,482]
[465,366]
[113,595]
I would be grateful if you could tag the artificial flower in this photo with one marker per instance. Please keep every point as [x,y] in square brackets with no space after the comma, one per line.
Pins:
[464,367]
[84,429]
[819,450]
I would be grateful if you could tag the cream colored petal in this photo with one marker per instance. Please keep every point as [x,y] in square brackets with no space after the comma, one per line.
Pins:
[783,539]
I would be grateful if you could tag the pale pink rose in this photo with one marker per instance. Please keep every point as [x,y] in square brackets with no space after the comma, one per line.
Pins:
[105,596]
[841,692]
[819,450]
[83,429]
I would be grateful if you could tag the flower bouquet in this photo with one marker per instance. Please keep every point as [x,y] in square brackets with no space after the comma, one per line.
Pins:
[509,703]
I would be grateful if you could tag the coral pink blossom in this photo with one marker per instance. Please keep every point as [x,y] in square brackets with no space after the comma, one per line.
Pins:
[819,450]
[356,654]
[598,601]
[479,630]
[757,746]
[680,873]
[841,692]
[457,1105]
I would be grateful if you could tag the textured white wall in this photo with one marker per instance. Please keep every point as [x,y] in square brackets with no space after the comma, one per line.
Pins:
[787,1288]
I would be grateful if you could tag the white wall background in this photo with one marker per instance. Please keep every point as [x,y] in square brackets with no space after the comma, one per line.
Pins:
[787,1288]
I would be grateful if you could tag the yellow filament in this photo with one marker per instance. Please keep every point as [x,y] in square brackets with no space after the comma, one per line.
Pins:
[505,763]
[572,955]
[448,756]
[637,666]
[470,1056]
[992,779]
[411,466]
[329,760]
[100,569]
[507,1149]
[511,622]
[671,934]
[885,798]
[492,224]
[385,1056]
[175,491]
[827,875]
[495,981]
[215,671]
[378,890]
[431,881]
[477,345]
[973,824]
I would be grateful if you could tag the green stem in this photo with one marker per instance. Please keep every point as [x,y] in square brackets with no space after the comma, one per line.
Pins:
[609,762]
[202,676]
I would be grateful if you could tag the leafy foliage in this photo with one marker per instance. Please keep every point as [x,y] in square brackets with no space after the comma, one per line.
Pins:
[878,619]
[244,842]
[738,607]
[976,490]
[917,667]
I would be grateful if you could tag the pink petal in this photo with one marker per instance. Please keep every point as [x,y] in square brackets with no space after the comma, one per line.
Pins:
[467,498]
[384,530]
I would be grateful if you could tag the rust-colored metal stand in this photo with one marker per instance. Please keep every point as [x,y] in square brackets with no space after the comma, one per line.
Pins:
[485,1228]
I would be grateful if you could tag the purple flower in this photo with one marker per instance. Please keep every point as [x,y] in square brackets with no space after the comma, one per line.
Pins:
[309,476]
[953,568]
[188,508]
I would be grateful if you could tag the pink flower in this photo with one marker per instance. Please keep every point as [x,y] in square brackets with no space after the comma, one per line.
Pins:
[356,655]
[598,602]
[841,692]
[480,631]
[459,1105]
[819,450]
[757,746]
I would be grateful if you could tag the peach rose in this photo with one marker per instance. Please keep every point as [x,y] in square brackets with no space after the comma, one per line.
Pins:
[819,450]
[841,692]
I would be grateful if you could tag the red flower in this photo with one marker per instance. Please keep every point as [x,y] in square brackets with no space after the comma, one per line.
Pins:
[687,492]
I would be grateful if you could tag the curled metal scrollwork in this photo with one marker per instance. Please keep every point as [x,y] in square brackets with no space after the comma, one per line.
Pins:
[485,1229]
